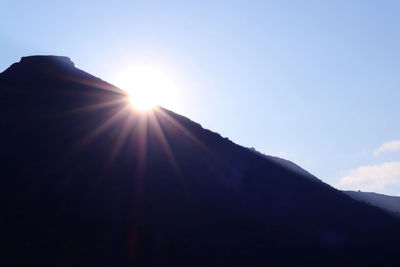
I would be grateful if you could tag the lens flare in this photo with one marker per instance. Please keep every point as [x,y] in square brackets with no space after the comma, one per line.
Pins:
[148,87]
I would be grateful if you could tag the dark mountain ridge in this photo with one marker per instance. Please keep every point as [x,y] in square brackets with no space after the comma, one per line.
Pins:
[89,181]
[389,203]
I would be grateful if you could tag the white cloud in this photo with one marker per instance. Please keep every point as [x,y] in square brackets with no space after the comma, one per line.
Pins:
[388,147]
[372,178]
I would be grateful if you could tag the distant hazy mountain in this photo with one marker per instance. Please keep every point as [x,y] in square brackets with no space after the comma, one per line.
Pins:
[88,181]
[390,203]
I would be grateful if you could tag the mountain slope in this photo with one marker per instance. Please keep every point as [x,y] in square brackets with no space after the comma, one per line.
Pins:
[288,165]
[389,203]
[88,181]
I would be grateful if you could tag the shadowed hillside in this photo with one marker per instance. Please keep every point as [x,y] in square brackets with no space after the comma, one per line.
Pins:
[389,203]
[88,181]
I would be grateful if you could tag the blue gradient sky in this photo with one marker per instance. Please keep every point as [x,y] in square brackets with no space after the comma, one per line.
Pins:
[316,82]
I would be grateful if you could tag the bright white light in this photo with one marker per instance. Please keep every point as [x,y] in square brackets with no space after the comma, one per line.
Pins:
[148,87]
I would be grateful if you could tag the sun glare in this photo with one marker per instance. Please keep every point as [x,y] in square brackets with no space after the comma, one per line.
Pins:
[148,87]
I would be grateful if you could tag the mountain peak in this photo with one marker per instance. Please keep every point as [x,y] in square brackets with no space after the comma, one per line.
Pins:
[47,60]
[47,69]
[32,65]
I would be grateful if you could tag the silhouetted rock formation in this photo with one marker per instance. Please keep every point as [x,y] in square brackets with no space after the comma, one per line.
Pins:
[88,181]
[41,61]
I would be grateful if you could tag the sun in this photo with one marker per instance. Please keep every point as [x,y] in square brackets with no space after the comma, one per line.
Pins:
[148,87]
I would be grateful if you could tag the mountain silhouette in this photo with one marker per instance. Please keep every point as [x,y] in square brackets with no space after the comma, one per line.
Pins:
[86,180]
[389,203]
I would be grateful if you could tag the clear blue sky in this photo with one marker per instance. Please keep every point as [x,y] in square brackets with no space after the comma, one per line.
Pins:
[316,82]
